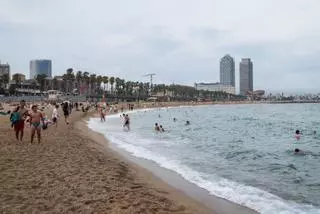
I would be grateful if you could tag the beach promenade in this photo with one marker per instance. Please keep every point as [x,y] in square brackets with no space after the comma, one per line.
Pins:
[71,173]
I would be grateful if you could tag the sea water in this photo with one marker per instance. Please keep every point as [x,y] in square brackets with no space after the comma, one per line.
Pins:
[243,153]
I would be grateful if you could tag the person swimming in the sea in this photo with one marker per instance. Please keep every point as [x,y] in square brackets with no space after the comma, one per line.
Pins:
[297,135]
[187,123]
[161,129]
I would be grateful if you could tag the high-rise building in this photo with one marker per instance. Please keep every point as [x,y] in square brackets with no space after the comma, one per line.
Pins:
[4,74]
[227,70]
[38,67]
[246,76]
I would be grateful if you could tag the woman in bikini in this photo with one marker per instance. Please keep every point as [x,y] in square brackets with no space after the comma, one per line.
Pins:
[35,122]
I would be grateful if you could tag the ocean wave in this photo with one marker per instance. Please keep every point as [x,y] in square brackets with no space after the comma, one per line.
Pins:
[251,197]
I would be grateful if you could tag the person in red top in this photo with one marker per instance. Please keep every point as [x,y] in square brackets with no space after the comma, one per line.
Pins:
[19,125]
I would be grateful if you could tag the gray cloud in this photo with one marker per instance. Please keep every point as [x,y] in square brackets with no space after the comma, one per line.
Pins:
[181,41]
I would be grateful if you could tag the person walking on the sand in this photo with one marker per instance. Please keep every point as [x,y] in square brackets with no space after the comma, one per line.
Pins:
[66,111]
[19,124]
[36,118]
[55,115]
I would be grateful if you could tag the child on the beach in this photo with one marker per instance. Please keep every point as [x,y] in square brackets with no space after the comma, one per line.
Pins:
[35,122]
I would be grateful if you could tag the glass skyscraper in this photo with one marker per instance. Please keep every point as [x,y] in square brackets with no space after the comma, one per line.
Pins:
[246,76]
[38,67]
[227,70]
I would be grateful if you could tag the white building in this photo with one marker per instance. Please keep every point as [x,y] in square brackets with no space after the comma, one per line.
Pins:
[215,87]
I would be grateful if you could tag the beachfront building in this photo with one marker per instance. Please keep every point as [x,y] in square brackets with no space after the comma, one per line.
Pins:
[215,87]
[38,67]
[4,75]
[18,77]
[26,87]
[227,70]
[246,76]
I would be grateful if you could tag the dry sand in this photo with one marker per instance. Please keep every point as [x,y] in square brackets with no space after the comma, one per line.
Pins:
[71,173]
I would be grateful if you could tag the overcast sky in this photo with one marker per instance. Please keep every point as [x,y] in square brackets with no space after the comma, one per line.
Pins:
[179,40]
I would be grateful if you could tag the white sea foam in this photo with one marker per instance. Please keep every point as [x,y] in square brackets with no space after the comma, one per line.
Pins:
[251,197]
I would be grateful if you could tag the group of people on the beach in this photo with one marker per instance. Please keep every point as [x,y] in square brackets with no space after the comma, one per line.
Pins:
[37,120]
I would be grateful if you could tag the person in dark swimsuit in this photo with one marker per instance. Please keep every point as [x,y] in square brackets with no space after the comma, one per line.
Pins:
[127,122]
[66,112]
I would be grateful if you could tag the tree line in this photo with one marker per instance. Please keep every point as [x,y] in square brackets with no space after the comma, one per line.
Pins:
[84,83]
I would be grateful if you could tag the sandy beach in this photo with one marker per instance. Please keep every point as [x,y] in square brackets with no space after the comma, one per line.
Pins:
[70,173]
[73,171]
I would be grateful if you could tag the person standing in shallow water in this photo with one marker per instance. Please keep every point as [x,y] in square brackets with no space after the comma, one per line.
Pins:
[297,135]
[156,127]
[127,122]
[19,125]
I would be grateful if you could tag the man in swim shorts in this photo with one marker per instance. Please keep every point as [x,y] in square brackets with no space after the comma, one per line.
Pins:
[35,122]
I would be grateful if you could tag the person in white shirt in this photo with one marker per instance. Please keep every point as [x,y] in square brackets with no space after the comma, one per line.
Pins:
[55,115]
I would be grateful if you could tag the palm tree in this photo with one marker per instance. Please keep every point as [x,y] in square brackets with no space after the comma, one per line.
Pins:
[86,79]
[55,84]
[69,79]
[99,81]
[93,81]
[79,79]
[105,81]
[112,83]
[41,79]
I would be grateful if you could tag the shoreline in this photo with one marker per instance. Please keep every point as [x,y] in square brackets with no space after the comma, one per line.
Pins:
[173,181]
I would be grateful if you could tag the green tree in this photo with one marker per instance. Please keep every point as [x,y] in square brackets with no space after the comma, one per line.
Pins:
[93,82]
[105,81]
[99,82]
[41,80]
[112,83]
[69,79]
[79,79]
[86,80]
